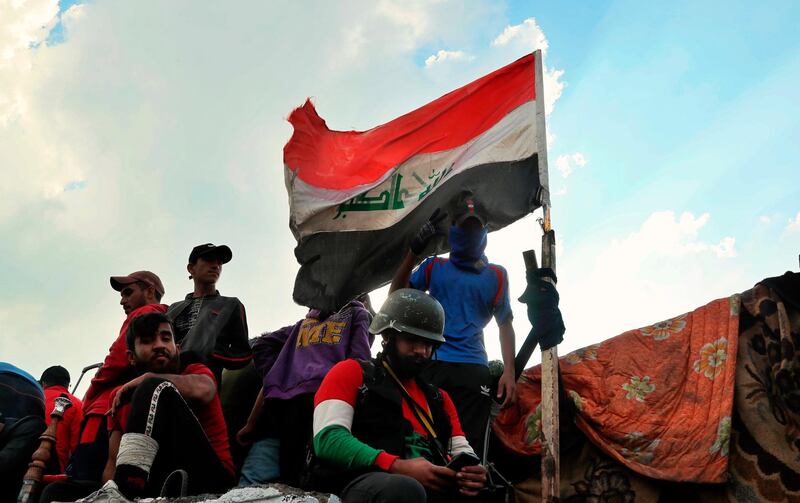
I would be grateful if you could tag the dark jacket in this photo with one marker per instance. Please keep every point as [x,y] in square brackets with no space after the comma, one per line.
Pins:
[378,418]
[218,337]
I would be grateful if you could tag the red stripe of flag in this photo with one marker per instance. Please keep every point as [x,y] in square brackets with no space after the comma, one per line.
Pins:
[344,159]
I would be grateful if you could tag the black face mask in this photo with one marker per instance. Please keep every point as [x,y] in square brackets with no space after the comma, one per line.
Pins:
[406,367]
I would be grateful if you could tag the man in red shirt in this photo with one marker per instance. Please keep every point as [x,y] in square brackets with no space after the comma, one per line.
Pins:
[167,418]
[140,293]
[55,381]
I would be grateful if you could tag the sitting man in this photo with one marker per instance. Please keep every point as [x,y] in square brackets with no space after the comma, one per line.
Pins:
[381,433]
[166,419]
[292,362]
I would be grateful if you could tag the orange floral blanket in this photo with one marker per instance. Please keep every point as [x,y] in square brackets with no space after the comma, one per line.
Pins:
[657,399]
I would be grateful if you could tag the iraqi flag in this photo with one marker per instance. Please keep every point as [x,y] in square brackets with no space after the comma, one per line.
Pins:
[358,197]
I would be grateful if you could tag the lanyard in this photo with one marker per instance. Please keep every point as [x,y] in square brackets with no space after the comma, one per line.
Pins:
[422,414]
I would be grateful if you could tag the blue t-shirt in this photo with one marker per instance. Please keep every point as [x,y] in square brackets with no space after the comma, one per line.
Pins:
[469,300]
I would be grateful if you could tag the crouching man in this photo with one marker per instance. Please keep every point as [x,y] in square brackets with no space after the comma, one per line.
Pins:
[167,419]
[383,434]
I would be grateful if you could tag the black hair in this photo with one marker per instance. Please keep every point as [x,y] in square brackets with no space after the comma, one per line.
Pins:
[55,376]
[144,325]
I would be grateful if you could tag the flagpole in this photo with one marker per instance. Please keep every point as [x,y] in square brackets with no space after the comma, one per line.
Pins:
[549,432]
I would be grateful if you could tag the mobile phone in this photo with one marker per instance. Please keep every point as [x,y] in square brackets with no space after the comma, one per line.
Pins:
[462,460]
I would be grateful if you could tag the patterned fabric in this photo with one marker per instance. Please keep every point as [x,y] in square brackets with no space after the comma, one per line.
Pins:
[766,466]
[589,476]
[657,400]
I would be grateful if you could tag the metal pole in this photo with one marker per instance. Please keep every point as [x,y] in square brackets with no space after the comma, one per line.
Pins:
[550,435]
[85,370]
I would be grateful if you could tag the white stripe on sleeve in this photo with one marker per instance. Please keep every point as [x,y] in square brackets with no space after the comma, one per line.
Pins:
[458,444]
[333,412]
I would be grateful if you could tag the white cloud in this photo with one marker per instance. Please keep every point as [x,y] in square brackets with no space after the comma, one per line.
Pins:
[764,219]
[567,163]
[443,56]
[73,14]
[724,249]
[794,223]
[24,23]
[527,37]
[662,234]
[412,17]
[526,33]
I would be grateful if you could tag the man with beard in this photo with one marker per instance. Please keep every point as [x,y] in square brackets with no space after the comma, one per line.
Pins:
[166,419]
[381,432]
[472,291]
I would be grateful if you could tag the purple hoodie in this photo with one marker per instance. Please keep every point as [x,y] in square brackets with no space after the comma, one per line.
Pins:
[295,359]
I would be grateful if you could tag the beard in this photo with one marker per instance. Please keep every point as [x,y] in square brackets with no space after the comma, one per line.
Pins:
[406,367]
[170,366]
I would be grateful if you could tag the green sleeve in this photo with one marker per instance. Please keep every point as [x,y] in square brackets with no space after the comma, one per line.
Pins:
[335,444]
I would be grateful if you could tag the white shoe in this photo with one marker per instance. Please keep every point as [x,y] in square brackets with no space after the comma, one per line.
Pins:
[109,493]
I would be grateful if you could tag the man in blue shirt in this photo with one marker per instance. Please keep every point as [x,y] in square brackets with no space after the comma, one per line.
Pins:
[472,292]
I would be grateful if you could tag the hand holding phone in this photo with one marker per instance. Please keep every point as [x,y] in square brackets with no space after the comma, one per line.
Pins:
[462,460]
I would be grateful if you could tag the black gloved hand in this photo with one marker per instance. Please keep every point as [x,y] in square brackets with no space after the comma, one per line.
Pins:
[427,232]
[543,311]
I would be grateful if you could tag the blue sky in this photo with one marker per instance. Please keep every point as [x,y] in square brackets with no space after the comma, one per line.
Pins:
[131,132]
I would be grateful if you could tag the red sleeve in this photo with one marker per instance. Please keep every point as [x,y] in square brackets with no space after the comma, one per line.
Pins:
[384,460]
[199,369]
[450,409]
[63,438]
[75,428]
[341,383]
[117,360]
[116,421]
[119,419]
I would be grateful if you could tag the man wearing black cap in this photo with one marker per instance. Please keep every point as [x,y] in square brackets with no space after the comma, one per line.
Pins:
[210,328]
[472,292]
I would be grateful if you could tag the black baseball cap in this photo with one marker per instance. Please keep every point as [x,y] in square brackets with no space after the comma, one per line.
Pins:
[209,250]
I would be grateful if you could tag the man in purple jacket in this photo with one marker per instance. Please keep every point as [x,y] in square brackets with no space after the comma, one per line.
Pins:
[292,362]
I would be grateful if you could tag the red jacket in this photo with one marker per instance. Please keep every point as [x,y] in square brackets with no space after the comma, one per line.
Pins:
[116,369]
[68,429]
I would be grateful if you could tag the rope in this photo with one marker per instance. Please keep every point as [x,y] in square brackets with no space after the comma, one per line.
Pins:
[137,450]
